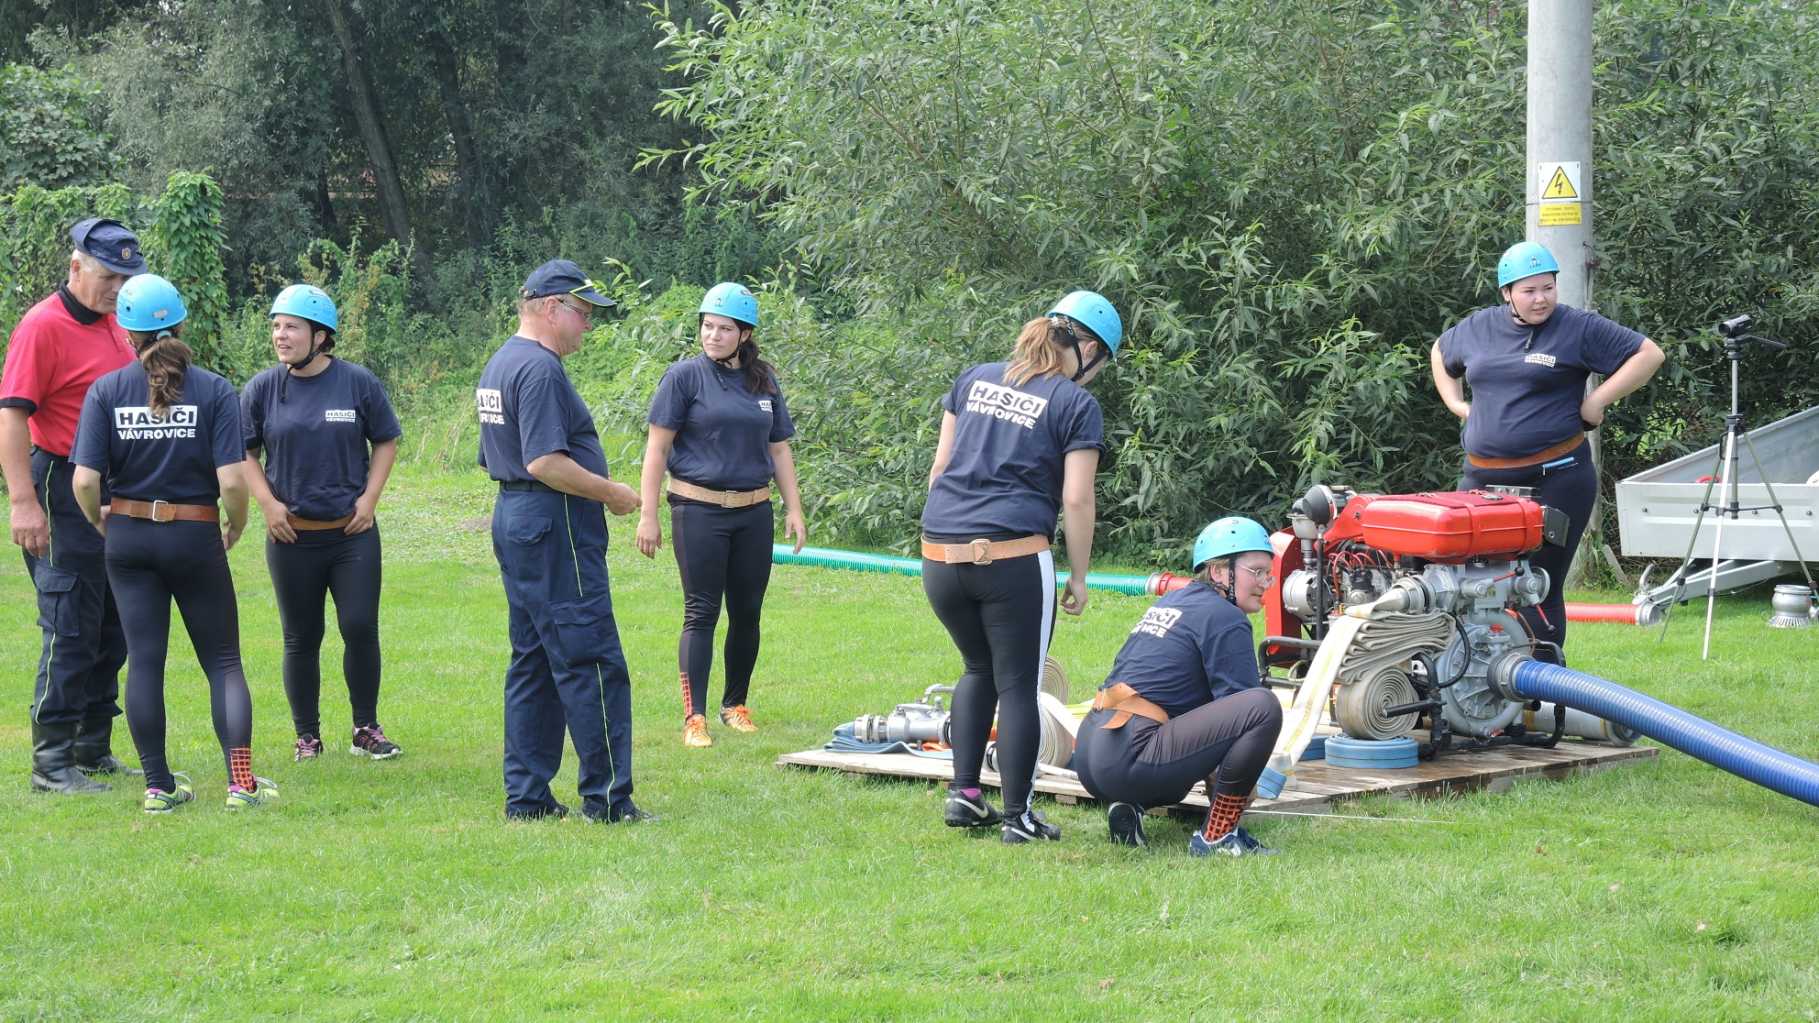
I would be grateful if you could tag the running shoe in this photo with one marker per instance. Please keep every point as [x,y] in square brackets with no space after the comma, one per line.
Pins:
[963,811]
[694,732]
[264,793]
[739,718]
[1237,842]
[160,801]
[553,810]
[595,809]
[370,741]
[308,748]
[1125,821]
[1029,826]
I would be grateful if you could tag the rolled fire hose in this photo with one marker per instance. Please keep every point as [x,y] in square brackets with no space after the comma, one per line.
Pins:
[1626,614]
[1746,758]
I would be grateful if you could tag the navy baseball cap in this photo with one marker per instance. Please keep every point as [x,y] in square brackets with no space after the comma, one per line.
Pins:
[111,243]
[563,277]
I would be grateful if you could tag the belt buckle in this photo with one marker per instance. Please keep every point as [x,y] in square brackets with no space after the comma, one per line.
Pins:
[726,499]
[982,551]
[163,508]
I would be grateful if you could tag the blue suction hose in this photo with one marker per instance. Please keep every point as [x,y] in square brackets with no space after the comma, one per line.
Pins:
[1521,677]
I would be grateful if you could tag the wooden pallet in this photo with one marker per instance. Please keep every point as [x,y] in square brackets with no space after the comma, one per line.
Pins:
[1315,784]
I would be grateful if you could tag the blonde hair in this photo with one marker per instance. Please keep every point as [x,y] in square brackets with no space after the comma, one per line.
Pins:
[1038,352]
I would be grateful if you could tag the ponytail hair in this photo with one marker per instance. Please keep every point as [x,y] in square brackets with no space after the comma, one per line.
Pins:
[1040,347]
[760,376]
[165,359]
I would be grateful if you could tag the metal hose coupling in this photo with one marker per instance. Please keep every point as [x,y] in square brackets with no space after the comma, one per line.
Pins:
[1502,673]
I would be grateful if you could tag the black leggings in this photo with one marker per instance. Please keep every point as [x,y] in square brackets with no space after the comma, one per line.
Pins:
[148,564]
[304,573]
[723,555]
[1000,616]
[1224,743]
[1573,489]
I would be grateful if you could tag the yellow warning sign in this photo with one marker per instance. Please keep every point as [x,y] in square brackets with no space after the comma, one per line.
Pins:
[1558,214]
[1559,186]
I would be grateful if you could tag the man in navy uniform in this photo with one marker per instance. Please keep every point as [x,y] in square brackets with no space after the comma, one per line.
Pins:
[59,347]
[537,439]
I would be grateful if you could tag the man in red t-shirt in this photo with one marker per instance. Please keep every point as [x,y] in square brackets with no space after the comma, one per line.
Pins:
[60,347]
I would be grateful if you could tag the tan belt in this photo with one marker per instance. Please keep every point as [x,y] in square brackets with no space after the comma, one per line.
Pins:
[1124,701]
[308,525]
[723,498]
[164,511]
[1565,447]
[984,552]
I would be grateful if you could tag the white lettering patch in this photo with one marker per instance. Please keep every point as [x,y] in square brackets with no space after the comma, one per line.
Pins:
[339,415]
[1006,403]
[137,422]
[1539,359]
[764,404]
[491,405]
[1157,621]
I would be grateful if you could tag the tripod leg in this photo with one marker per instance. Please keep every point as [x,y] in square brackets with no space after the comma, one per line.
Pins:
[1727,489]
[1776,502]
[1686,563]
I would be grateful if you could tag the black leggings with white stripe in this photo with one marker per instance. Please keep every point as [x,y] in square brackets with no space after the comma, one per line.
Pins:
[1000,616]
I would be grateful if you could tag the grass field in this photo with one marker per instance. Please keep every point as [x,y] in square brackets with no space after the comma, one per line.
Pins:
[396,890]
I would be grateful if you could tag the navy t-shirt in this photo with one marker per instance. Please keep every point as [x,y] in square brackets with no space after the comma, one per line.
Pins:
[1003,478]
[169,458]
[1527,383]
[1191,648]
[528,409]
[316,431]
[723,430]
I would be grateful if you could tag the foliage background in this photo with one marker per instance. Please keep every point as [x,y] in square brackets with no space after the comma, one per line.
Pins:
[1287,200]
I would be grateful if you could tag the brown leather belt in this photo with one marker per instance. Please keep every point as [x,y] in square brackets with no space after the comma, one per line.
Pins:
[308,525]
[723,498]
[1565,447]
[164,511]
[984,552]
[1120,698]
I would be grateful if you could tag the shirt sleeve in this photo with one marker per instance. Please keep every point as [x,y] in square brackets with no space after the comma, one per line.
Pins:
[90,448]
[1230,658]
[1085,425]
[669,406]
[1606,345]
[537,403]
[252,419]
[1452,354]
[227,440]
[26,375]
[376,407]
[782,427]
[951,402]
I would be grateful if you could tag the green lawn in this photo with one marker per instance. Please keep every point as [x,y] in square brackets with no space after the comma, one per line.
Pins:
[397,891]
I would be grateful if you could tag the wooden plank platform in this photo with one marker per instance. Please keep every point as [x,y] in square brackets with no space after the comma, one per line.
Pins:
[1315,784]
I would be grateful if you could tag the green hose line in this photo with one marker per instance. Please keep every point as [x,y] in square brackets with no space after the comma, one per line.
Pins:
[858,561]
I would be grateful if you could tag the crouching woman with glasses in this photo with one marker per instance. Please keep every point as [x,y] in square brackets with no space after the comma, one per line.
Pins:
[1184,701]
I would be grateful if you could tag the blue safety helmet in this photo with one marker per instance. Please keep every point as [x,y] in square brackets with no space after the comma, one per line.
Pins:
[1231,535]
[1524,259]
[1091,309]
[733,301]
[148,303]
[307,302]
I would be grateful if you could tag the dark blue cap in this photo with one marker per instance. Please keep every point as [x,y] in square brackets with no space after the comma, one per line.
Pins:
[111,243]
[563,277]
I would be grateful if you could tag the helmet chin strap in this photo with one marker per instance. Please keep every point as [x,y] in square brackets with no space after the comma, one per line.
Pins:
[1073,342]
[315,348]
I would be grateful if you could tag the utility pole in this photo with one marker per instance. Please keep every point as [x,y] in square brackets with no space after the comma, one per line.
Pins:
[1558,196]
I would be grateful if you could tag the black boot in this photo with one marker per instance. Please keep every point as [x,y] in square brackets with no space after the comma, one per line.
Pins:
[54,762]
[94,750]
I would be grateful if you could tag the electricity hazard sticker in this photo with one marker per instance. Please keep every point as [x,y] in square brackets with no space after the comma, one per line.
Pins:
[1561,194]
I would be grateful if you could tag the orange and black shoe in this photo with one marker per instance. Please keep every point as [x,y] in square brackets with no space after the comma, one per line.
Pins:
[694,732]
[738,718]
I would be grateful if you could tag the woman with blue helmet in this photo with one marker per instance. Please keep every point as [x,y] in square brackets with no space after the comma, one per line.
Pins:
[329,438]
[720,427]
[1020,442]
[163,436]
[1526,362]
[1184,701]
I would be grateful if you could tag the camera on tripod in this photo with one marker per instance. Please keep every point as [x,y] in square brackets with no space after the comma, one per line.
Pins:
[1735,326]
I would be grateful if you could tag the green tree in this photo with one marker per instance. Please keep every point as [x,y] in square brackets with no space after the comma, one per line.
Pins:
[50,130]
